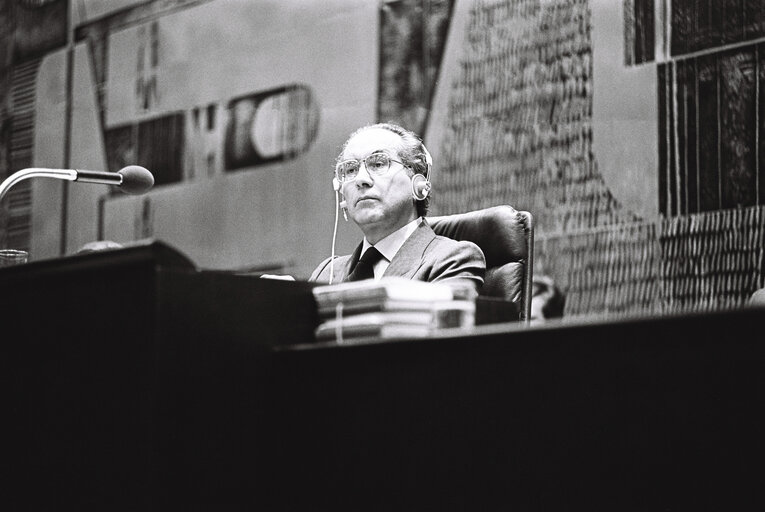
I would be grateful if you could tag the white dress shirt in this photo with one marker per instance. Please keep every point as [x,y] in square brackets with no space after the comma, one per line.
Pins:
[390,245]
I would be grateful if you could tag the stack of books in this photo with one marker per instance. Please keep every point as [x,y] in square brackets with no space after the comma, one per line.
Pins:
[392,307]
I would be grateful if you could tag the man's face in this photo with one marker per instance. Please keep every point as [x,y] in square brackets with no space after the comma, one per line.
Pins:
[378,204]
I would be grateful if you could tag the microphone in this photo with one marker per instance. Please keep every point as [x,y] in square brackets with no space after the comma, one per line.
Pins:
[132,179]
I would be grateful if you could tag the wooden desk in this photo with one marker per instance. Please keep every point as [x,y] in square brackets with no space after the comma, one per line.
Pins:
[141,383]
[644,414]
[133,381]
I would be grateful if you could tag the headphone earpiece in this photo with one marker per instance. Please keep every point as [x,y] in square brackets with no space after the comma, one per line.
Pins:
[335,184]
[420,187]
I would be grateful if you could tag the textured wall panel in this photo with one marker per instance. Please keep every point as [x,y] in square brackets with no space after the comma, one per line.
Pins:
[521,117]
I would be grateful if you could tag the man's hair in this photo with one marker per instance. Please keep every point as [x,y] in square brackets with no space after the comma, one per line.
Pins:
[412,152]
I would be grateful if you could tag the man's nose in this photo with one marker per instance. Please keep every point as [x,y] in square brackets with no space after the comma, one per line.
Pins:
[363,177]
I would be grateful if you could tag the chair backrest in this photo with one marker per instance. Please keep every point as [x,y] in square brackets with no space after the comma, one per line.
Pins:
[506,237]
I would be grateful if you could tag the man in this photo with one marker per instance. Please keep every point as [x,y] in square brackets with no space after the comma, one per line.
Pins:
[382,174]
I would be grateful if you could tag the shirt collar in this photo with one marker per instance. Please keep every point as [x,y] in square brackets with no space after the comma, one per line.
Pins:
[390,245]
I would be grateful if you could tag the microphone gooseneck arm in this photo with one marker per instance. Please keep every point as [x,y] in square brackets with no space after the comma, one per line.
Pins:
[101,177]
[35,172]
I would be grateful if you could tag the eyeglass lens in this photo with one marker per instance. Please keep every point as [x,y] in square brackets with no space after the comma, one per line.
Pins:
[376,164]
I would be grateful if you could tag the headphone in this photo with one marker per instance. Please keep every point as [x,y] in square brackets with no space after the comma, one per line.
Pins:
[421,182]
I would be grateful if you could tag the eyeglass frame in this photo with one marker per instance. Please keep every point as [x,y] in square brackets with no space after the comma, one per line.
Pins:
[364,161]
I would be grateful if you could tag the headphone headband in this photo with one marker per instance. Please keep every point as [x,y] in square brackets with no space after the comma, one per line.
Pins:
[428,161]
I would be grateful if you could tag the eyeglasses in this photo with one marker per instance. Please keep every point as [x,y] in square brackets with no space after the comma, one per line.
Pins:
[377,164]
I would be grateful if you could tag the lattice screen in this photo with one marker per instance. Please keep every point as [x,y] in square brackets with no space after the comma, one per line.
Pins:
[692,263]
[18,201]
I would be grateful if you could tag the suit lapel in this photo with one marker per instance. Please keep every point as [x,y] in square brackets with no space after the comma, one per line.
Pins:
[343,270]
[408,259]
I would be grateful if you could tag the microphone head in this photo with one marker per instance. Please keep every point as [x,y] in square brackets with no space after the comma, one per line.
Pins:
[136,179]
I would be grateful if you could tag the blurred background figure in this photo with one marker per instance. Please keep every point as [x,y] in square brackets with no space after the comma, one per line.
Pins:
[758,298]
[547,300]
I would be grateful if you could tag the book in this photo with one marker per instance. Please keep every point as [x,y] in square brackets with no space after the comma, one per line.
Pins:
[372,333]
[406,323]
[392,307]
[398,288]
[330,310]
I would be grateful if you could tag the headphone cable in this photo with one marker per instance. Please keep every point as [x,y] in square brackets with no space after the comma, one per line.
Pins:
[334,237]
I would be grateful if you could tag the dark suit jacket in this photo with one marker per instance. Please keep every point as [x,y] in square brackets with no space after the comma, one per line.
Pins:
[423,257]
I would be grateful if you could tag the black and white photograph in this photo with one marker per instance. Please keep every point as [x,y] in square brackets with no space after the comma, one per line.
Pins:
[290,255]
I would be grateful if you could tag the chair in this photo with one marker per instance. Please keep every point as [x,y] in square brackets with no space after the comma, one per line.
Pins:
[506,237]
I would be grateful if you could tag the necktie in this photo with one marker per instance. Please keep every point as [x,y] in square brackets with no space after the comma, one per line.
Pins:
[365,267]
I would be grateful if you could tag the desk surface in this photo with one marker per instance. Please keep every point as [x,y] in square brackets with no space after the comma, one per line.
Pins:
[668,327]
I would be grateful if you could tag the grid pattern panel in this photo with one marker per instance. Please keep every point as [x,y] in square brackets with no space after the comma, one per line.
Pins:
[18,201]
[697,262]
[520,114]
